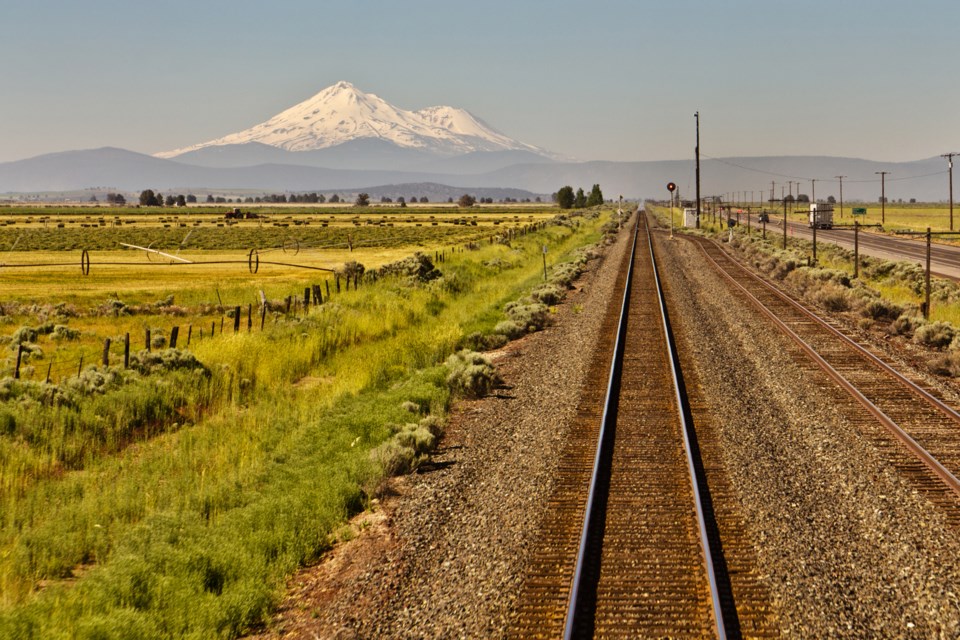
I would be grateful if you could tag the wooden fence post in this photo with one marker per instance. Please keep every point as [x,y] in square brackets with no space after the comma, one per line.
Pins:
[236,319]
[80,367]
[126,351]
[106,352]
[249,317]
[148,339]
[327,282]
[16,371]
[263,316]
[49,367]
[337,277]
[174,334]
[306,299]
[189,333]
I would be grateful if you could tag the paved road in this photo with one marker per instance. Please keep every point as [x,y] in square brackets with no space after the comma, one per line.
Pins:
[944,259]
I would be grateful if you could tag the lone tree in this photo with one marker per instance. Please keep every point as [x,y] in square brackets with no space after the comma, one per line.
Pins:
[149,199]
[467,200]
[595,199]
[363,200]
[565,197]
[580,201]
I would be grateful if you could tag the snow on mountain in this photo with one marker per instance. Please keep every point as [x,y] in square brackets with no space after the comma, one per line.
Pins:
[342,113]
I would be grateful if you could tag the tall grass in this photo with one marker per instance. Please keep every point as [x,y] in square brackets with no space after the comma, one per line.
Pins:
[190,529]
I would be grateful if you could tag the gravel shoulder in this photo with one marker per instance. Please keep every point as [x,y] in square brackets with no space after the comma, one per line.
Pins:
[847,547]
[443,555]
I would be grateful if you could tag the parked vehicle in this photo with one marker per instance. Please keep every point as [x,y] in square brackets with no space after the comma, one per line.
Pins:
[763,217]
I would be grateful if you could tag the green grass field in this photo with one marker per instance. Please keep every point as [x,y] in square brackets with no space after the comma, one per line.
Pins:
[174,498]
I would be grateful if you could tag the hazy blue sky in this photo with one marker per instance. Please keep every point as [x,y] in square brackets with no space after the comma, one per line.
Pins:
[605,79]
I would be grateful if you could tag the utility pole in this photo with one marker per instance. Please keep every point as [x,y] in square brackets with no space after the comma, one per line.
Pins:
[949,157]
[883,196]
[790,188]
[697,153]
[813,190]
[840,178]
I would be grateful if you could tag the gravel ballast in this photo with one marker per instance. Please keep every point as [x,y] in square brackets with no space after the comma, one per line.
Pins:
[847,546]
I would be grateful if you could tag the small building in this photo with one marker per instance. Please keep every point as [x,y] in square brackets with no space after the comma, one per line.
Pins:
[690,218]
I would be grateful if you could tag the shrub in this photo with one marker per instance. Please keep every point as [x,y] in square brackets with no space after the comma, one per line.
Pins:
[408,447]
[147,362]
[832,298]
[23,335]
[510,329]
[477,341]
[905,325]
[63,332]
[879,309]
[548,294]
[531,316]
[936,335]
[945,364]
[471,374]
[418,267]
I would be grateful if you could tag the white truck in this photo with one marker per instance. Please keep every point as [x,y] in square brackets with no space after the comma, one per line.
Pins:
[821,215]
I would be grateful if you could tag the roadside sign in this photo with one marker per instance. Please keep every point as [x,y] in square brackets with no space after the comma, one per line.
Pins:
[859,211]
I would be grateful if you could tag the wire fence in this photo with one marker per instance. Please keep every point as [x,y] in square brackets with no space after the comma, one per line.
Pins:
[28,366]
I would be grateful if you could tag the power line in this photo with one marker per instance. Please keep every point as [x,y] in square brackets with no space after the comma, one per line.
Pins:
[807,178]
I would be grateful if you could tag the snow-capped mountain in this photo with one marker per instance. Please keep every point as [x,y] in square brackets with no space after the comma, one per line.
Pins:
[342,114]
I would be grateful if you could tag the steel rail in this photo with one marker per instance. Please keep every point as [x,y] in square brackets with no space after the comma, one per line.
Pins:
[686,429]
[922,454]
[616,364]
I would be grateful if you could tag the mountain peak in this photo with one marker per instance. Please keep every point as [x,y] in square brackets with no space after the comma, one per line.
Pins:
[342,113]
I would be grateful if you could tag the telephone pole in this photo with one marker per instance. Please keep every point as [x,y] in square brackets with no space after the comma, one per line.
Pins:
[813,189]
[949,157]
[883,196]
[697,153]
[840,178]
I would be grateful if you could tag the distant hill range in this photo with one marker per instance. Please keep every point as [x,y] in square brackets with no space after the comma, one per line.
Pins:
[347,140]
[924,180]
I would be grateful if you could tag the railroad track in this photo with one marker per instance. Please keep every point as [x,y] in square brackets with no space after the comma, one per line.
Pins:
[629,543]
[914,429]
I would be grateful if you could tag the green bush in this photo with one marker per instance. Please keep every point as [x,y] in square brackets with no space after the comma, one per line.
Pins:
[477,341]
[510,329]
[937,335]
[532,316]
[832,298]
[62,332]
[548,294]
[471,374]
[879,309]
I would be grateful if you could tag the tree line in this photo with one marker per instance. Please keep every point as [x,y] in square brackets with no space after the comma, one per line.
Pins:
[567,199]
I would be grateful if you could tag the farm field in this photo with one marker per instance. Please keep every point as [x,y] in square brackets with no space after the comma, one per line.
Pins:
[172,498]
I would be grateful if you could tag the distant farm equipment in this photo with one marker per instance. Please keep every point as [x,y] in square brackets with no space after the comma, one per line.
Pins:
[236,214]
